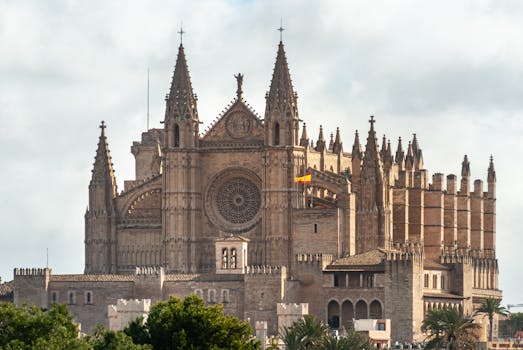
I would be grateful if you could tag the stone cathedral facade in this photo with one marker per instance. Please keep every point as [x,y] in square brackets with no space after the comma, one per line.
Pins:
[218,213]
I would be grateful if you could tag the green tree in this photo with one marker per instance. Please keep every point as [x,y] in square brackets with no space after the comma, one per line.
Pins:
[448,329]
[104,339]
[31,327]
[353,341]
[491,307]
[189,324]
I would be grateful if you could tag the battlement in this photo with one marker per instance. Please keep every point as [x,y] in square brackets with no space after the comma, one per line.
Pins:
[149,271]
[32,271]
[451,255]
[292,308]
[263,270]
[314,258]
[406,251]
[133,304]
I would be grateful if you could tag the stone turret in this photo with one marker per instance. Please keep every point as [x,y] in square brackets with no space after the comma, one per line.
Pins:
[100,249]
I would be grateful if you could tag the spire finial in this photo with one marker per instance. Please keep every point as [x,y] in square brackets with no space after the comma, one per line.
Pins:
[372,121]
[103,126]
[281,29]
[181,32]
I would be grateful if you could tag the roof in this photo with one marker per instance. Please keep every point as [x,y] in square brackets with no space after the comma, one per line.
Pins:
[92,278]
[434,265]
[373,257]
[205,277]
[6,288]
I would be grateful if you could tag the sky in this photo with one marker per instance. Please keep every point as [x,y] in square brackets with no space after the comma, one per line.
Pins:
[449,71]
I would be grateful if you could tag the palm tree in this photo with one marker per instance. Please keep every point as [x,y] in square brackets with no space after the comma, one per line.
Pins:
[448,329]
[353,341]
[305,333]
[490,307]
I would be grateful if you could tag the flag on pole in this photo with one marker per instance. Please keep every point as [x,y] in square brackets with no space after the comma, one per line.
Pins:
[305,179]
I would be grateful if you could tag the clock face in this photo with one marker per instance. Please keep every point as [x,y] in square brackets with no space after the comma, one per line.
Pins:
[233,200]
[238,125]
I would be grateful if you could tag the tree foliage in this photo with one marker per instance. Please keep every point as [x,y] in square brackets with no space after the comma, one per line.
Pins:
[31,327]
[104,339]
[448,329]
[490,307]
[189,324]
[309,333]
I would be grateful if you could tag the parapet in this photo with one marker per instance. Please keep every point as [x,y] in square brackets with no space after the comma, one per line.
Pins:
[149,271]
[133,305]
[405,252]
[32,271]
[263,270]
[299,309]
[319,259]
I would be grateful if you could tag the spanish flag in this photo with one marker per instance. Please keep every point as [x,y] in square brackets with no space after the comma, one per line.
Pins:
[305,179]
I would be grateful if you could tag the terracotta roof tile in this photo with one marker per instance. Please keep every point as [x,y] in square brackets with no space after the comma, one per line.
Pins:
[92,278]
[373,257]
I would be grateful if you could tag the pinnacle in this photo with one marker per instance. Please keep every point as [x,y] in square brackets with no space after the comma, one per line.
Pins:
[491,171]
[103,171]
[465,167]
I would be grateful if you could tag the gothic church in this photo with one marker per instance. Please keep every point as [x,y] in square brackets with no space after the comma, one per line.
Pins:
[219,213]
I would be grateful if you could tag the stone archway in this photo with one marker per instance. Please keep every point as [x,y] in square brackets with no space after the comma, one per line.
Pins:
[333,314]
[375,310]
[347,314]
[361,310]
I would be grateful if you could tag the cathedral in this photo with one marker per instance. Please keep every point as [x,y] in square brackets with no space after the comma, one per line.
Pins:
[252,214]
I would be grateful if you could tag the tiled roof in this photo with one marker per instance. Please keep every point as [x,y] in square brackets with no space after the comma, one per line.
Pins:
[373,257]
[92,278]
[6,288]
[434,265]
[206,277]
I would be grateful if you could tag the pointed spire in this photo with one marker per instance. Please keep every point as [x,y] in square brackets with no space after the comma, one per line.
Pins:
[400,154]
[103,172]
[388,155]
[331,142]
[320,144]
[304,141]
[281,96]
[356,147]
[371,148]
[383,151]
[409,159]
[491,171]
[337,146]
[418,154]
[465,167]
[181,101]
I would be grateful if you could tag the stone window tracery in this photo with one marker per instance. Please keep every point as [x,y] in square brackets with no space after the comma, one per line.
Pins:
[238,200]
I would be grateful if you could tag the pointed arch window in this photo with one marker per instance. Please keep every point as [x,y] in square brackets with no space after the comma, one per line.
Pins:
[276,134]
[233,258]
[225,259]
[176,136]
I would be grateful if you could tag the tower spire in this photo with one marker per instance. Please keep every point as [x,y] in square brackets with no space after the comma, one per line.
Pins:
[337,146]
[400,154]
[491,171]
[371,148]
[281,97]
[103,172]
[320,144]
[181,101]
[356,147]
[304,140]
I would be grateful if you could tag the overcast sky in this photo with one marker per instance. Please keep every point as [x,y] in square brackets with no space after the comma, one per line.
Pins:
[450,71]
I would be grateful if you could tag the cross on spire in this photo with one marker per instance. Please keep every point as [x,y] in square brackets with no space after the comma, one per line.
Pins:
[372,121]
[181,32]
[281,29]
[102,125]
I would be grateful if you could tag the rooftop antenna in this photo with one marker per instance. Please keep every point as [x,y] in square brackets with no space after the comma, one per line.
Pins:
[147,99]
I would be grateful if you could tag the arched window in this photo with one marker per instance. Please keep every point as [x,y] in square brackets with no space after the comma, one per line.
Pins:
[176,136]
[435,281]
[276,134]
[375,309]
[71,299]
[361,310]
[54,297]
[442,282]
[88,297]
[211,296]
[426,281]
[225,295]
[225,258]
[233,258]
[347,314]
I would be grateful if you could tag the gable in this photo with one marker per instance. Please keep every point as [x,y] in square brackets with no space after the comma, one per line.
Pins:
[238,125]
